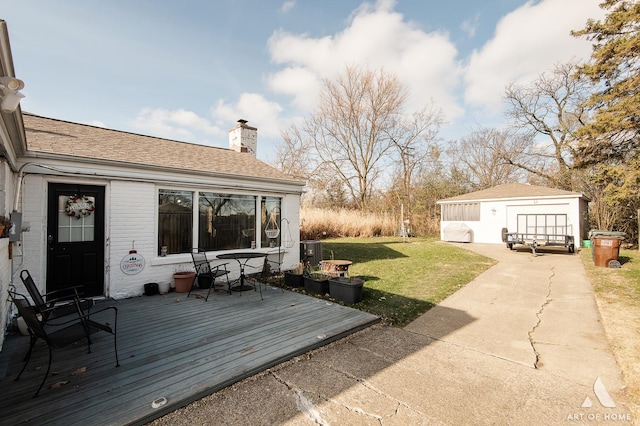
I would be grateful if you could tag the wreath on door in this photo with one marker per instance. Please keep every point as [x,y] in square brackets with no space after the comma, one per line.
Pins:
[79,206]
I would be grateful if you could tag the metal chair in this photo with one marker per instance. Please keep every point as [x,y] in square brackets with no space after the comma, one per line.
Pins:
[204,269]
[57,303]
[76,328]
[264,273]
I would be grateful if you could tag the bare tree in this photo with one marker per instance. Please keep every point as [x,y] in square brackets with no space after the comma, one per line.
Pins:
[480,157]
[352,125]
[550,110]
[293,155]
[414,138]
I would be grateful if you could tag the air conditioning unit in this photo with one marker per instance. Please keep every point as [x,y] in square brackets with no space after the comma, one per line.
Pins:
[311,251]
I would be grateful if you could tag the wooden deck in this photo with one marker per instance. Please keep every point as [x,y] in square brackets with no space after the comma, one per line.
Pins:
[169,346]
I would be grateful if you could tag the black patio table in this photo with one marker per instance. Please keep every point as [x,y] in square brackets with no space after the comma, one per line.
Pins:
[242,258]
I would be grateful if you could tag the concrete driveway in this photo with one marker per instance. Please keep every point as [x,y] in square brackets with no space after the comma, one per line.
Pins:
[521,345]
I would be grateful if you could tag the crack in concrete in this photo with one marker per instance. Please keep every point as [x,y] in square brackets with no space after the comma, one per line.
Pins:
[306,406]
[538,315]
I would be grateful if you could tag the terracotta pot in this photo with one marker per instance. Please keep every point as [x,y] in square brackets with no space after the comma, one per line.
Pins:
[183,281]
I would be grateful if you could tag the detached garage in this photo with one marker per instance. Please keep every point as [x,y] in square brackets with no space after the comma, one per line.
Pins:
[481,216]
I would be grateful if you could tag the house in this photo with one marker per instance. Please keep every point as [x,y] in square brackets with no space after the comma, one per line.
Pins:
[110,210]
[96,202]
[480,216]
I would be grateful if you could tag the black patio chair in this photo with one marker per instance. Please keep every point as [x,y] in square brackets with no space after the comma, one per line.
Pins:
[67,332]
[210,273]
[57,303]
[264,273]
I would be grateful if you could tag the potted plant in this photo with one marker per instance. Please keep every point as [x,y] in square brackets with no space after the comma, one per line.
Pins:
[294,277]
[348,290]
[183,279]
[316,282]
[5,226]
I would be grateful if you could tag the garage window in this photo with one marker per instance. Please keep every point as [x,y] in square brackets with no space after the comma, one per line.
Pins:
[461,212]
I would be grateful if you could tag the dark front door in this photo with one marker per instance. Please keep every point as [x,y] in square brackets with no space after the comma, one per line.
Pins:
[75,238]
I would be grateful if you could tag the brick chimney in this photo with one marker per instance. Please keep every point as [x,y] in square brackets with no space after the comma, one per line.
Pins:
[243,138]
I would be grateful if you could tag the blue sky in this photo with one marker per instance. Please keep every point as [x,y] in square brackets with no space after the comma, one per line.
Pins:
[188,70]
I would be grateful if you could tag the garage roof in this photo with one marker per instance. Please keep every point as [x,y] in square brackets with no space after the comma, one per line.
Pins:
[512,190]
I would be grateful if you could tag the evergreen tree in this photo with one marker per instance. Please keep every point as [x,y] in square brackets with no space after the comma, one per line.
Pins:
[613,134]
[610,142]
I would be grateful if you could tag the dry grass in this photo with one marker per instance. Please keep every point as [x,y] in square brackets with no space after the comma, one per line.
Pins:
[325,223]
[618,296]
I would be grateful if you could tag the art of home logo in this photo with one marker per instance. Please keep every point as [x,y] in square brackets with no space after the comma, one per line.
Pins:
[605,401]
[602,395]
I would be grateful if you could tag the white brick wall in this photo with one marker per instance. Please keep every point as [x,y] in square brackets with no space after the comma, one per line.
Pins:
[6,206]
[131,215]
[34,216]
[131,223]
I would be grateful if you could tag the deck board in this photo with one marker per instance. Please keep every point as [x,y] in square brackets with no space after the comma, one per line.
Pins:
[169,346]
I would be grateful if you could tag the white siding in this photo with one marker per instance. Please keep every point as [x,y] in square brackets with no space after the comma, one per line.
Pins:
[495,215]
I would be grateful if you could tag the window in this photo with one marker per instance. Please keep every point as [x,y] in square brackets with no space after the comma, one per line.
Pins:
[212,221]
[75,226]
[461,212]
[175,221]
[226,221]
[270,220]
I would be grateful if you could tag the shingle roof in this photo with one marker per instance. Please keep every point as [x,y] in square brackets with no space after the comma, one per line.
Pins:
[512,190]
[47,135]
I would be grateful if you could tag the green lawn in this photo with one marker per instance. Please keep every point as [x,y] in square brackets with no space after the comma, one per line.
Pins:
[404,280]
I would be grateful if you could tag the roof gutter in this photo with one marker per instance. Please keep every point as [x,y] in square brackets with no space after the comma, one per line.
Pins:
[11,121]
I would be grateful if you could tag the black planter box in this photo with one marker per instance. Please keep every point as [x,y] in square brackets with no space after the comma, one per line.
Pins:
[316,283]
[348,290]
[293,280]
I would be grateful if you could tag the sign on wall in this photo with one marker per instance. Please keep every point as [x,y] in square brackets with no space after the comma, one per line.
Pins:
[132,263]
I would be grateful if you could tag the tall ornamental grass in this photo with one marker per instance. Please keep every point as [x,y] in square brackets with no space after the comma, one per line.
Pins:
[331,223]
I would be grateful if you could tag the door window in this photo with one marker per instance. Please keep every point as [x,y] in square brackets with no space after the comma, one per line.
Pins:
[76,218]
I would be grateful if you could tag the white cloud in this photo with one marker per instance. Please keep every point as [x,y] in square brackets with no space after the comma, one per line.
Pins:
[376,37]
[301,83]
[96,123]
[177,124]
[470,26]
[254,108]
[287,6]
[527,42]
